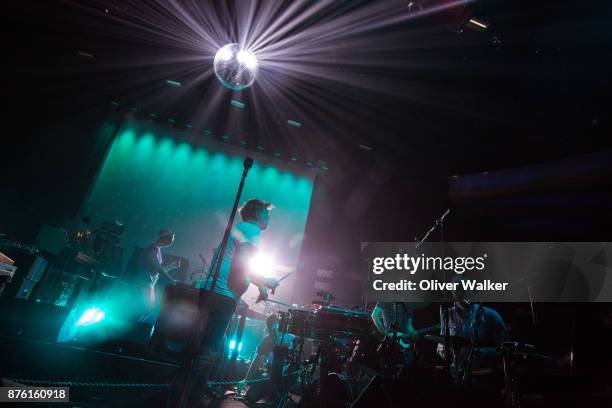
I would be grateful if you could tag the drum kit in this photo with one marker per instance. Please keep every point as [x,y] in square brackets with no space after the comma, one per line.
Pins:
[339,354]
[329,335]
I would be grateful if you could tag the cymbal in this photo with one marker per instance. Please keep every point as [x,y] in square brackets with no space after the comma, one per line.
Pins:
[344,310]
[411,305]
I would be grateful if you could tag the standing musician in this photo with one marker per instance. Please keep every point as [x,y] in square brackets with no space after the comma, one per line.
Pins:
[233,280]
[150,269]
[394,321]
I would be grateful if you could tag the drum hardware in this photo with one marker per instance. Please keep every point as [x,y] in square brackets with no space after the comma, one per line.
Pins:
[341,392]
[467,373]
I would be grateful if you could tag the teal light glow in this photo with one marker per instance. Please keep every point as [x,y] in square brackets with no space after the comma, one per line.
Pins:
[91,316]
[175,84]
[237,104]
[149,182]
[232,345]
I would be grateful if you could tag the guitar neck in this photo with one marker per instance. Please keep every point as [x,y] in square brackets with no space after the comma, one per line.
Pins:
[426,330]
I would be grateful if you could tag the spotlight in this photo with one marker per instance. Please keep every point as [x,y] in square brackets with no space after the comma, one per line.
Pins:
[91,316]
[477,25]
[232,345]
[235,67]
[262,264]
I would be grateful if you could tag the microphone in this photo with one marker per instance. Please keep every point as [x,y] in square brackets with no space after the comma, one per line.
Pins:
[248,162]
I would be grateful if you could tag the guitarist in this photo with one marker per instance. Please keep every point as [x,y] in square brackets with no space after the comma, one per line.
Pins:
[394,321]
[233,280]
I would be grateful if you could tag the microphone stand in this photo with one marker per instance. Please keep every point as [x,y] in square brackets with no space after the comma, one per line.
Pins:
[248,163]
[439,223]
[467,372]
[205,300]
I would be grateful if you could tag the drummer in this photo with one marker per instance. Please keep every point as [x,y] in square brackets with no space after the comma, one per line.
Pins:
[274,337]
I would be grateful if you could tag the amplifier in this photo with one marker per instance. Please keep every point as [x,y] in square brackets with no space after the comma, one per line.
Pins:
[31,268]
[61,288]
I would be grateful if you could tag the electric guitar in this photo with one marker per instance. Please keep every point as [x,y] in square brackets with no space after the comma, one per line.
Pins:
[392,351]
[406,341]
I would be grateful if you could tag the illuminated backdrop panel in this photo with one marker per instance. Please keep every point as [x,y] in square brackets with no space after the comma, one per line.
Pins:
[149,180]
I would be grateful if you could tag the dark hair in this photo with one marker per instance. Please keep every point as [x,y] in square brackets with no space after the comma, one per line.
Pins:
[165,237]
[165,233]
[251,208]
[270,320]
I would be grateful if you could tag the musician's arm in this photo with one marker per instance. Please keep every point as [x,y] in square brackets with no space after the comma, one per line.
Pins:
[410,331]
[246,253]
[377,318]
[499,333]
[152,260]
[256,363]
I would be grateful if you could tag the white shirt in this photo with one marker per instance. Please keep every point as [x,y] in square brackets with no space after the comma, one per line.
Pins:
[241,233]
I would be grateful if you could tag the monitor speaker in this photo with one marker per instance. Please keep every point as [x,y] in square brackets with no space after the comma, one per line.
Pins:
[181,317]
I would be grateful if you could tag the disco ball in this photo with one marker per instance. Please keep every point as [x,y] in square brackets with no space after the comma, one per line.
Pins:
[236,68]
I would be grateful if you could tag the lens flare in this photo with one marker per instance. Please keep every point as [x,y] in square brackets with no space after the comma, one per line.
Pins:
[91,316]
[263,264]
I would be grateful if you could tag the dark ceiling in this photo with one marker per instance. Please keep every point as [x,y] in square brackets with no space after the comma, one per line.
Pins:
[437,99]
[533,86]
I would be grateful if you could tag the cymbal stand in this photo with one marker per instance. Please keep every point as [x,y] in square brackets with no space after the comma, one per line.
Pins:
[439,223]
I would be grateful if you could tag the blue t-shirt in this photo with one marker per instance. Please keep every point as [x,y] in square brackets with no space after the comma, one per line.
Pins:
[491,331]
[243,232]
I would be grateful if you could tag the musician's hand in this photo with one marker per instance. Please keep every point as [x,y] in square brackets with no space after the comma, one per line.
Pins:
[263,294]
[390,333]
[271,283]
[410,332]
[440,351]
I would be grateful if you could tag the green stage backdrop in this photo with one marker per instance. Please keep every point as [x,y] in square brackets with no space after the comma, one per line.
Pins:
[150,180]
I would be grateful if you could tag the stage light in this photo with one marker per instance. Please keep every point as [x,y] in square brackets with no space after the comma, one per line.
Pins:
[232,345]
[235,67]
[262,264]
[477,25]
[237,104]
[91,316]
[175,84]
